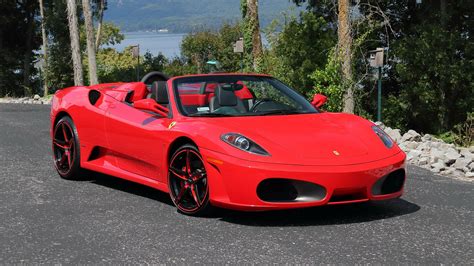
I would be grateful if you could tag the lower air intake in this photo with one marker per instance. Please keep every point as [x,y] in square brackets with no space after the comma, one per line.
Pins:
[390,183]
[289,190]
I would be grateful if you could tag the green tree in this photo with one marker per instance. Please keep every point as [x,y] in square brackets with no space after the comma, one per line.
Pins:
[19,38]
[200,47]
[328,81]
[59,71]
[428,82]
[153,63]
[113,66]
[302,47]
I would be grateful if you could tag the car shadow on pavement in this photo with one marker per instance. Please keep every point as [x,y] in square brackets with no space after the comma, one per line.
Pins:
[324,215]
[127,186]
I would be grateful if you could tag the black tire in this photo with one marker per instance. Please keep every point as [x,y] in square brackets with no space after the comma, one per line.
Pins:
[66,151]
[189,189]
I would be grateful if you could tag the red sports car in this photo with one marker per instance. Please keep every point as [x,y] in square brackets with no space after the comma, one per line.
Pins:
[239,141]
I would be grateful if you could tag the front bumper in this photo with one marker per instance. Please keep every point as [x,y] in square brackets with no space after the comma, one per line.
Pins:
[233,182]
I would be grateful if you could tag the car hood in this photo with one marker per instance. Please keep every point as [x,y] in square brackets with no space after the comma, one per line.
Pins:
[303,139]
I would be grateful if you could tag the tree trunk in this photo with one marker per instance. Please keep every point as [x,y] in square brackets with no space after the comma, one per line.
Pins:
[75,48]
[27,55]
[252,18]
[86,6]
[444,16]
[99,24]
[345,52]
[45,48]
[30,23]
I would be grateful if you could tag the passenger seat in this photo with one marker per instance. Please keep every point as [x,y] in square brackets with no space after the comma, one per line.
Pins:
[226,102]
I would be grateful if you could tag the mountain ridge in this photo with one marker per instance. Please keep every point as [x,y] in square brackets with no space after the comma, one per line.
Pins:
[183,16]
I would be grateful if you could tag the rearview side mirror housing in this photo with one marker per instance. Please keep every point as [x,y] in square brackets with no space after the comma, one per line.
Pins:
[319,100]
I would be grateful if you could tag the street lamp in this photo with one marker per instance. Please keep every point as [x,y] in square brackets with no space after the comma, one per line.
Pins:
[239,48]
[376,61]
[136,53]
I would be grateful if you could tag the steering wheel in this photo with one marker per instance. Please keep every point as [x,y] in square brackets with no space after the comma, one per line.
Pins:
[153,76]
[258,103]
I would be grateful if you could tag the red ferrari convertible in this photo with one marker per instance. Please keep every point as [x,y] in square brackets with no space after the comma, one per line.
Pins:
[240,141]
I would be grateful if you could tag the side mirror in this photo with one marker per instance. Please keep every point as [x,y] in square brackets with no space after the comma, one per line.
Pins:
[151,106]
[319,100]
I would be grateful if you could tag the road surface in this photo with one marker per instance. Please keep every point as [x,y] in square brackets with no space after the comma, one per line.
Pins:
[45,219]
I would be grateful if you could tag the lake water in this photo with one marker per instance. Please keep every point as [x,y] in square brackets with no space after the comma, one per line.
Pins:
[166,43]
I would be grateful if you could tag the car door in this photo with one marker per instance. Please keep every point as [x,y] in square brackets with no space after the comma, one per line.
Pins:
[137,139]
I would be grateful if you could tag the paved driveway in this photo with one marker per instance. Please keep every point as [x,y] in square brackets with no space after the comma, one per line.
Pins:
[46,219]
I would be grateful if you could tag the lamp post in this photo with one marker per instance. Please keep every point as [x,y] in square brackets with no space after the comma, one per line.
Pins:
[376,61]
[136,53]
[239,48]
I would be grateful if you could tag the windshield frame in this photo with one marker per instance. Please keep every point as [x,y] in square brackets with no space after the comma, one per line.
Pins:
[288,91]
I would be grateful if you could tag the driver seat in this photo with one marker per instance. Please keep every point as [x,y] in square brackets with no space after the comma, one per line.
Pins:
[226,102]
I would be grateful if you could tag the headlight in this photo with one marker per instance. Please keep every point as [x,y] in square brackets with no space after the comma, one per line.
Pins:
[243,143]
[387,141]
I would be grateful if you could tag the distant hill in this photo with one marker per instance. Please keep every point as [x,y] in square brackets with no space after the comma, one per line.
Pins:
[186,15]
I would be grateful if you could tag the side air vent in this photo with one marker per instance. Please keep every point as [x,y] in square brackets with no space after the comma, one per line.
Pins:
[94,96]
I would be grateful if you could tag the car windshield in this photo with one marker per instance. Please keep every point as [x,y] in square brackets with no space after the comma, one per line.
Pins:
[237,95]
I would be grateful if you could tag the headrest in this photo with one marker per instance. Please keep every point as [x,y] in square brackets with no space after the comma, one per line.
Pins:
[159,92]
[140,91]
[225,97]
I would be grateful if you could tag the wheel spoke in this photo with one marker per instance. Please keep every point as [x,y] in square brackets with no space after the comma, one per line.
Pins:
[178,173]
[69,160]
[180,195]
[188,162]
[60,144]
[195,195]
[64,132]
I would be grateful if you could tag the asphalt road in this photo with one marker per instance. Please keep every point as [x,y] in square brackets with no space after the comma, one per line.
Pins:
[44,219]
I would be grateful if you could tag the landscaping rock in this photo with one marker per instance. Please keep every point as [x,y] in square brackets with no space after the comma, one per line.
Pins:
[466,153]
[413,155]
[427,137]
[438,166]
[394,134]
[412,145]
[458,173]
[451,156]
[423,161]
[26,100]
[471,166]
[411,135]
[461,163]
